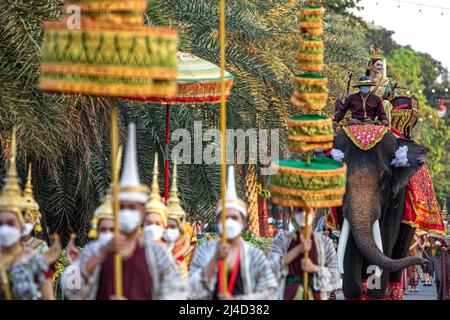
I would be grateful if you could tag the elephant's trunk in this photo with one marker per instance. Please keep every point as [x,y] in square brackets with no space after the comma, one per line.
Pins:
[362,233]
[362,212]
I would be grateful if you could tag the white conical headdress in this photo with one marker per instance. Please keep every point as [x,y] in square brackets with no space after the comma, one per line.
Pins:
[131,188]
[232,200]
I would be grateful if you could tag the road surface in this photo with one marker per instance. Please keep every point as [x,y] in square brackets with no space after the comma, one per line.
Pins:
[425,293]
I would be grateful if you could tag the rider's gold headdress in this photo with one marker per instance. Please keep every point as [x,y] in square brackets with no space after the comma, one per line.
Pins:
[375,53]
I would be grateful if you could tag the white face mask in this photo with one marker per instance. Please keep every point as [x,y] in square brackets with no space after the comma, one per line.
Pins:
[300,219]
[129,220]
[105,237]
[153,232]
[233,228]
[27,228]
[171,235]
[8,236]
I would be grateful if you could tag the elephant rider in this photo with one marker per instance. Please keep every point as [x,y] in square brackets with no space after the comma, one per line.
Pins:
[365,106]
[288,263]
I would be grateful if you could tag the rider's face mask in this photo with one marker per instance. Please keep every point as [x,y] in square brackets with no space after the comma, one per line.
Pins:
[364,90]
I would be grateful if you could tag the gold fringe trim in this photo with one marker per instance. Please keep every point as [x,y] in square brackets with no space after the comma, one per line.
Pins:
[311,96]
[310,123]
[312,11]
[311,81]
[312,204]
[111,90]
[114,71]
[299,104]
[313,32]
[109,6]
[311,25]
[324,138]
[95,27]
[311,173]
[415,225]
[311,67]
[310,147]
[311,44]
[301,193]
[311,57]
[114,18]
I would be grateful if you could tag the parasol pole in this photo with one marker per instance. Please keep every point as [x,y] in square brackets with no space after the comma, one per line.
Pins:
[166,151]
[307,234]
[115,193]
[223,126]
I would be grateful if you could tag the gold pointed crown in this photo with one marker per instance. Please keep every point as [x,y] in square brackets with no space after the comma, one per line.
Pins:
[174,209]
[11,199]
[104,212]
[155,204]
[375,53]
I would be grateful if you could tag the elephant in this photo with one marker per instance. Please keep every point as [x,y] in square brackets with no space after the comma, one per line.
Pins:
[372,232]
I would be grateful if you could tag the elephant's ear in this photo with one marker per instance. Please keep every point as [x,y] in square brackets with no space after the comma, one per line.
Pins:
[408,158]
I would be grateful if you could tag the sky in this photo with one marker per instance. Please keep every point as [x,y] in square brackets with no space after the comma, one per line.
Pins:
[425,29]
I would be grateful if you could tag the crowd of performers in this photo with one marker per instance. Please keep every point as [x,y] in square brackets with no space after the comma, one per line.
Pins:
[162,257]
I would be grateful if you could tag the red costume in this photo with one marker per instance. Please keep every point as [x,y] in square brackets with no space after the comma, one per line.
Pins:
[137,282]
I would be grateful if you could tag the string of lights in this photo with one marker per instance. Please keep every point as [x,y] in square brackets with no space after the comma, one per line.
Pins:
[420,5]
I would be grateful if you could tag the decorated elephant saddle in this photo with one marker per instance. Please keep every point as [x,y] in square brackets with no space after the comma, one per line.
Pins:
[366,136]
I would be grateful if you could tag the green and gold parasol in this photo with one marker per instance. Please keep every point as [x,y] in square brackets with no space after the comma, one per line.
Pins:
[102,48]
[313,182]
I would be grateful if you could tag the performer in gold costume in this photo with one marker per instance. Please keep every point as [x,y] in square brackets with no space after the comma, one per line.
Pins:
[176,235]
[24,272]
[383,85]
[155,219]
[32,218]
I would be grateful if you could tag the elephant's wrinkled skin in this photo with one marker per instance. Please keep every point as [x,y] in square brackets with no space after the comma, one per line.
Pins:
[376,191]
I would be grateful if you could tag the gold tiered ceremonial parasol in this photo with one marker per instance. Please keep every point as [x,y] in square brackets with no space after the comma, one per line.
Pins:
[314,182]
[109,52]
[198,82]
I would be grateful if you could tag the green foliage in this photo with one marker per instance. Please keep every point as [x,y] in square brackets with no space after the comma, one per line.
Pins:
[381,38]
[345,52]
[262,243]
[341,6]
[419,72]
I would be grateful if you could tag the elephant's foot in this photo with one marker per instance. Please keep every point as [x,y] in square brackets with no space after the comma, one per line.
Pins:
[395,291]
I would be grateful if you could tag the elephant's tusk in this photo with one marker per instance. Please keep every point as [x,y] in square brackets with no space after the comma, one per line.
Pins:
[377,235]
[343,238]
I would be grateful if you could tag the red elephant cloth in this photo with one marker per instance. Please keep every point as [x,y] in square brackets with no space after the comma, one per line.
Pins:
[422,209]
[331,219]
